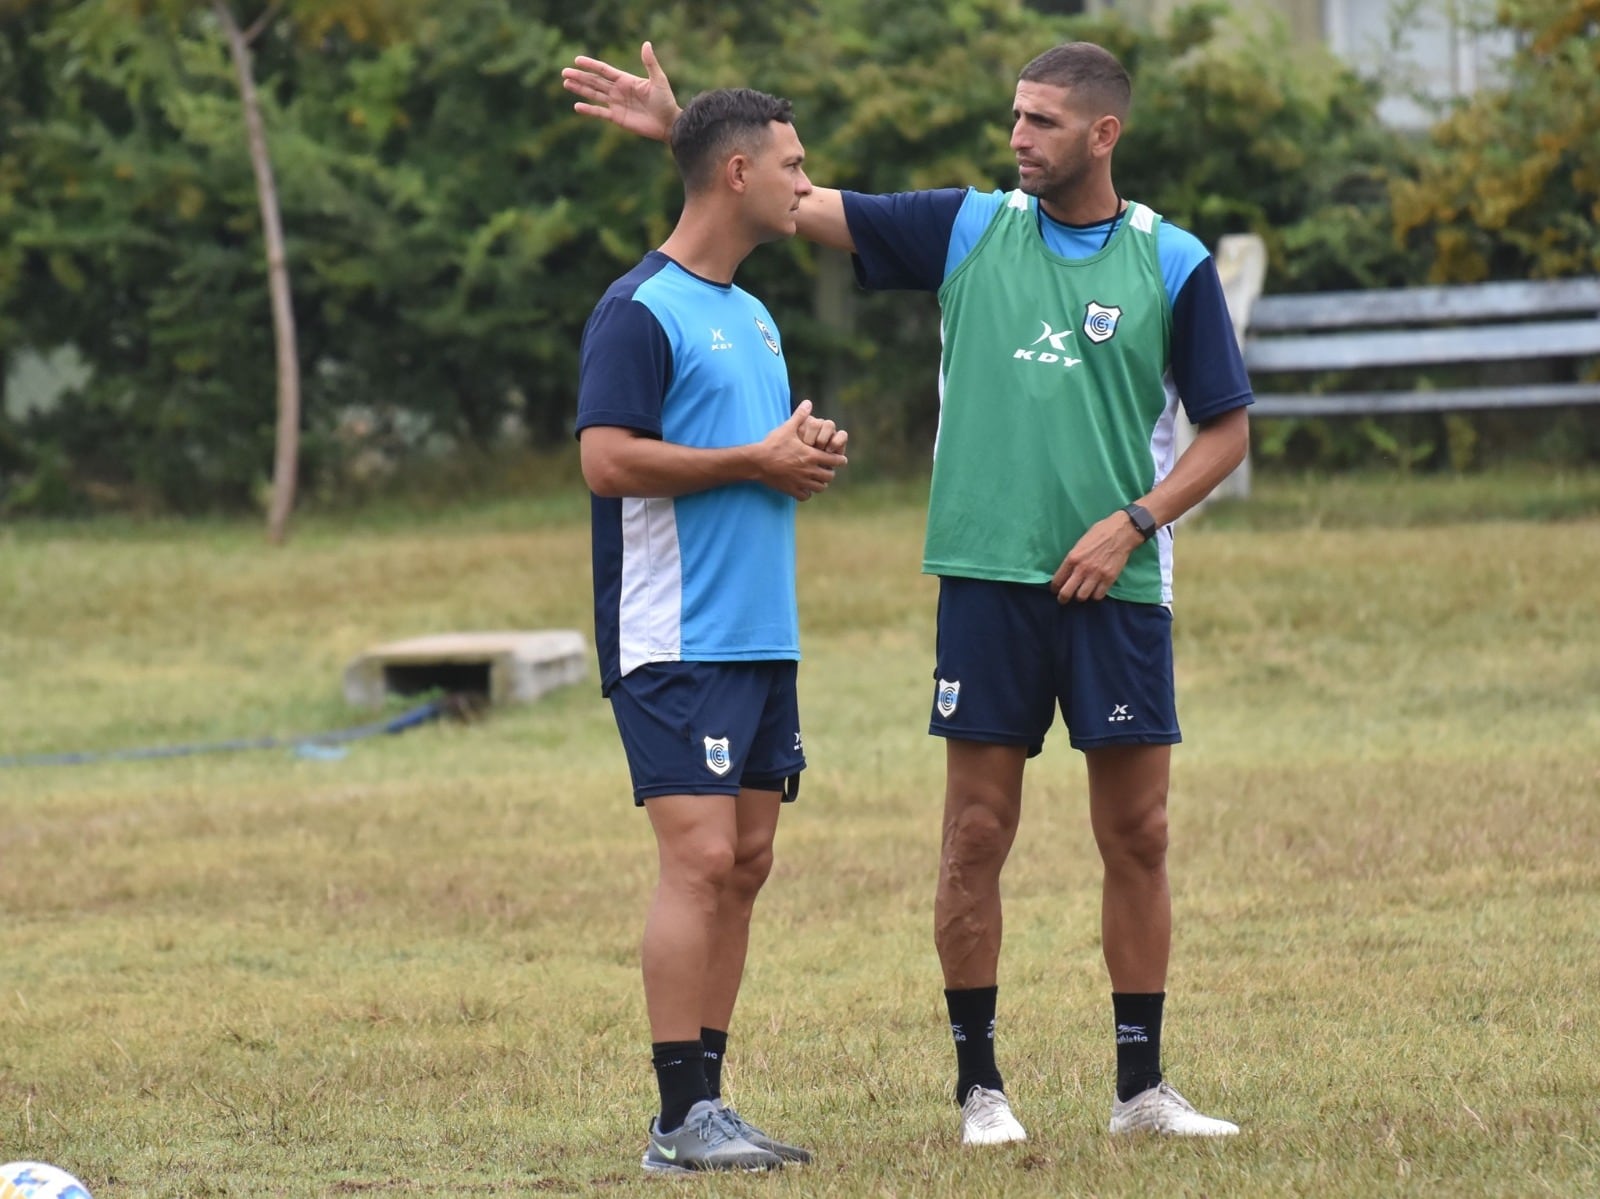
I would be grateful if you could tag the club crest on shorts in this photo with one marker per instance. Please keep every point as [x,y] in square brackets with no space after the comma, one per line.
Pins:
[948,696]
[717,760]
[768,336]
[1100,322]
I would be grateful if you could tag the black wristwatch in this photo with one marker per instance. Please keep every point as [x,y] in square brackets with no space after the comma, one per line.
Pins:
[1142,520]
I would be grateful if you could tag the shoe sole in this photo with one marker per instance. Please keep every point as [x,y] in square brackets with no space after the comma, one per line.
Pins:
[1166,1132]
[655,1167]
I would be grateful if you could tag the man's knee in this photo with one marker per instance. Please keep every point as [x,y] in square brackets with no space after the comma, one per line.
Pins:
[750,871]
[1139,840]
[978,834]
[703,866]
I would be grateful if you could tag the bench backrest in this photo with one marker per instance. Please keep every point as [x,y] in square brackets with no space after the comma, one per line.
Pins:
[1409,305]
[1486,322]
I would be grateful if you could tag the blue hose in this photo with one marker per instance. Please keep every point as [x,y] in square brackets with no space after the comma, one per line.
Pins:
[307,745]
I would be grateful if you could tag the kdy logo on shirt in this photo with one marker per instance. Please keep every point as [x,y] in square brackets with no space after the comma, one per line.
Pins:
[1056,354]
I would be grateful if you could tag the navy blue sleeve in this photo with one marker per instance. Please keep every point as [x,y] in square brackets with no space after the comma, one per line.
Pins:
[624,367]
[1206,363]
[901,239]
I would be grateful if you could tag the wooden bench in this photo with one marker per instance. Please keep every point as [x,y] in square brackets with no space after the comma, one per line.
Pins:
[1420,327]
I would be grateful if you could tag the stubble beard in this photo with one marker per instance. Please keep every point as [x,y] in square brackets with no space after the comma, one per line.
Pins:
[1056,188]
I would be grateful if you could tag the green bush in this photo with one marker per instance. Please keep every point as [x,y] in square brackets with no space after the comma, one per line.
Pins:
[450,222]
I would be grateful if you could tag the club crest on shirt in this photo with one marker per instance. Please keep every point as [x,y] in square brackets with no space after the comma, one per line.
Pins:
[1100,322]
[948,696]
[717,760]
[768,336]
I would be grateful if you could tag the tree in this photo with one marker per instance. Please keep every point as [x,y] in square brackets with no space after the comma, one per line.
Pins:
[362,18]
[450,221]
[286,459]
[1510,185]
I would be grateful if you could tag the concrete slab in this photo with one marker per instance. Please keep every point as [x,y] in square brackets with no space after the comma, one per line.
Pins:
[505,667]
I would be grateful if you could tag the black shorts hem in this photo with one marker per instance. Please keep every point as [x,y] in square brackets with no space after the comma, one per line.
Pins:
[761,782]
[1172,738]
[657,790]
[786,784]
[984,735]
[988,738]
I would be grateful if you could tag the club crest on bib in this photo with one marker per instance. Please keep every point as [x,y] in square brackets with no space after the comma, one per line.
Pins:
[768,336]
[717,760]
[949,695]
[1100,322]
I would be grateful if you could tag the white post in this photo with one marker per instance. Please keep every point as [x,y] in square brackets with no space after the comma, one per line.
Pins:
[1242,266]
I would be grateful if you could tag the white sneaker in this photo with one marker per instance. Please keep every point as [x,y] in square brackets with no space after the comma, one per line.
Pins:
[1163,1110]
[986,1119]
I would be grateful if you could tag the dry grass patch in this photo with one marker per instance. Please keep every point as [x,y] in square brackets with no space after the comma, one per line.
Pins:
[413,971]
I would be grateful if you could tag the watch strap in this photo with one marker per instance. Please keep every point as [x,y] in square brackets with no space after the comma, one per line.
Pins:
[1142,520]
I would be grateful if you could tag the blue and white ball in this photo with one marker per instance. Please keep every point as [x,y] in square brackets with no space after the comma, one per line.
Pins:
[35,1180]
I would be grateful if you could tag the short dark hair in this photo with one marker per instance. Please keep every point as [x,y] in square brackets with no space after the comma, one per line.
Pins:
[1098,81]
[720,123]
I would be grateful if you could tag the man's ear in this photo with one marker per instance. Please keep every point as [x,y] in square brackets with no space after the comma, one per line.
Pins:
[737,173]
[1103,135]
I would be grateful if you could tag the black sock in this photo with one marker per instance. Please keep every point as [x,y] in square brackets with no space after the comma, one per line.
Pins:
[972,1025]
[1138,1019]
[681,1076]
[715,1041]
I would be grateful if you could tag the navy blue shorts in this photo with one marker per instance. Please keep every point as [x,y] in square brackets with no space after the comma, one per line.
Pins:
[1008,653]
[710,728]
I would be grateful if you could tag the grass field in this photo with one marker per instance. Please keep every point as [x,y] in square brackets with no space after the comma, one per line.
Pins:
[413,970]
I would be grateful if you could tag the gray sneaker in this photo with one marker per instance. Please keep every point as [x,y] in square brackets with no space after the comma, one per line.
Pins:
[789,1153]
[708,1140]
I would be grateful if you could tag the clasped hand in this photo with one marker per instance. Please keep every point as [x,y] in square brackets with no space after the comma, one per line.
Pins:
[800,456]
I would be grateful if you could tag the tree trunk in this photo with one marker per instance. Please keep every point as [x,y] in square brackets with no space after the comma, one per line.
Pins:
[286,461]
[833,303]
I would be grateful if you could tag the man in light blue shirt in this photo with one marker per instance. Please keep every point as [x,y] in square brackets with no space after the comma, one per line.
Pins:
[696,456]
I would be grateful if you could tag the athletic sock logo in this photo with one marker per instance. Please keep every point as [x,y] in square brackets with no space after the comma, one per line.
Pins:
[1131,1034]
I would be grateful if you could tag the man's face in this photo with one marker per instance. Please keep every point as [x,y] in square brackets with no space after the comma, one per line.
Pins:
[1051,140]
[777,182]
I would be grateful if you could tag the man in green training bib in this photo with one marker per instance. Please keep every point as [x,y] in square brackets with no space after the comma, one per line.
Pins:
[1074,322]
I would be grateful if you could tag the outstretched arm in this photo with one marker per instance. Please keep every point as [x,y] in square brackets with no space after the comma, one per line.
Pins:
[646,106]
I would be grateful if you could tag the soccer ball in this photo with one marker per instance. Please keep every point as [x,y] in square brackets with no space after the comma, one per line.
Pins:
[35,1180]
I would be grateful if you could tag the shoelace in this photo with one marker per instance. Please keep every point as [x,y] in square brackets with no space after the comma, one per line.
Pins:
[988,1114]
[740,1125]
[1171,1095]
[714,1128]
